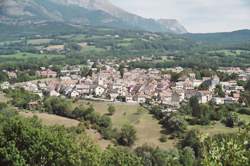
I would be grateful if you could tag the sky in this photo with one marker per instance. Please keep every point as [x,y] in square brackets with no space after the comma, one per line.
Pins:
[198,16]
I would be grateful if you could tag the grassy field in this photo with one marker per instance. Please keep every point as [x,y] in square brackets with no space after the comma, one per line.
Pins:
[39,41]
[214,129]
[24,55]
[148,129]
[230,52]
[244,117]
[3,98]
[51,120]
[91,49]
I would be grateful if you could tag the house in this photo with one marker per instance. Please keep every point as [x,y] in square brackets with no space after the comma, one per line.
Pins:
[42,86]
[5,85]
[229,100]
[190,93]
[113,94]
[197,83]
[176,98]
[214,82]
[140,98]
[83,89]
[12,75]
[236,96]
[74,94]
[243,77]
[179,85]
[99,90]
[218,100]
[129,99]
[204,96]
[192,76]
[47,73]
[54,93]
[33,105]
[166,100]
[31,87]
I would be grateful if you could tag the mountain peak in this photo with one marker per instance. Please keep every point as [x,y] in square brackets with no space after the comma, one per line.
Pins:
[90,12]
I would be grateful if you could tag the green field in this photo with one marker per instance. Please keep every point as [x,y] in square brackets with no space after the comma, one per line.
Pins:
[217,128]
[39,41]
[24,55]
[91,49]
[148,129]
[230,52]
[3,98]
[244,117]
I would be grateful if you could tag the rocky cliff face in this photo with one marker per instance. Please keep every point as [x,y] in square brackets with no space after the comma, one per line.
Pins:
[91,12]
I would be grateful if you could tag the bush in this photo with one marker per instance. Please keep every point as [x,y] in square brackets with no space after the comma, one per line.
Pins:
[111,110]
[127,135]
[175,124]
[163,138]
[245,111]
[3,105]
[230,120]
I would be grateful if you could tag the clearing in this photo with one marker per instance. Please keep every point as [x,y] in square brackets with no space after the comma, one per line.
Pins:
[149,131]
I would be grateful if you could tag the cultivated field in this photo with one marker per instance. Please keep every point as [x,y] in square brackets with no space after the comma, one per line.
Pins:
[24,55]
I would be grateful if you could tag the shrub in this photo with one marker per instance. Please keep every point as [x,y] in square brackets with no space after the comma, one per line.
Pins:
[163,138]
[244,111]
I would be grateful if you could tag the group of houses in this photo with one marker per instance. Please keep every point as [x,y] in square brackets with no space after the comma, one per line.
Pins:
[134,86]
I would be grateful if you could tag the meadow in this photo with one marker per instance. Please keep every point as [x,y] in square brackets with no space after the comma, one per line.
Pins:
[24,55]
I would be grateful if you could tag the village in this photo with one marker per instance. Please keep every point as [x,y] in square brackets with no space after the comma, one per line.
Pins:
[134,86]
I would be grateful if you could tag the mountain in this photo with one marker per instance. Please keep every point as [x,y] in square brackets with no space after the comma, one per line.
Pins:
[83,12]
[240,36]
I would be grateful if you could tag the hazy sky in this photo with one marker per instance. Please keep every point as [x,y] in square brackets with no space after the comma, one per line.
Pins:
[195,15]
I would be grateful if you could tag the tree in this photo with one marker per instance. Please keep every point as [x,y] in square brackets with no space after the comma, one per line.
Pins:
[204,86]
[231,119]
[3,77]
[21,97]
[121,70]
[194,104]
[187,157]
[58,106]
[127,135]
[192,139]
[175,124]
[204,114]
[111,109]
[228,150]
[119,157]
[247,86]
[27,142]
[158,157]
[218,91]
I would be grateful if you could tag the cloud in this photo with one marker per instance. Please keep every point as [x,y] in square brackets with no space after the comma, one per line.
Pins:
[196,15]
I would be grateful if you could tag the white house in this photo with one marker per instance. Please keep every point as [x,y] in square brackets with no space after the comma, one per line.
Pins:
[74,94]
[129,99]
[5,85]
[218,100]
[54,93]
[141,99]
[99,90]
[204,96]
